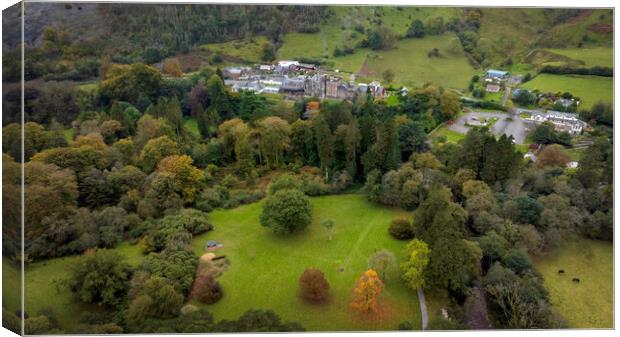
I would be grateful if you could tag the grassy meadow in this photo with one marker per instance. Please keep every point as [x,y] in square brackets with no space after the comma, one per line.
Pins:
[264,268]
[590,89]
[589,303]
[595,56]
[239,51]
[411,65]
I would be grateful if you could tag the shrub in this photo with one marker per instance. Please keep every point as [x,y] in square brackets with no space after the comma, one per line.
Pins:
[313,286]
[401,229]
[206,289]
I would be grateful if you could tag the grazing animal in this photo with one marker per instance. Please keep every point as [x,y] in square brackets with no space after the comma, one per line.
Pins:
[561,271]
[576,280]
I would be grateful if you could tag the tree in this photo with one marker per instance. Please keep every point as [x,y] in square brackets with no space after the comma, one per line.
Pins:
[366,293]
[156,298]
[411,138]
[437,217]
[178,266]
[449,105]
[401,229]
[286,211]
[156,150]
[257,321]
[383,262]
[329,225]
[130,82]
[416,29]
[274,139]
[186,177]
[268,52]
[451,262]
[172,67]
[324,143]
[303,148]
[219,98]
[100,277]
[417,256]
[313,286]
[552,156]
[381,38]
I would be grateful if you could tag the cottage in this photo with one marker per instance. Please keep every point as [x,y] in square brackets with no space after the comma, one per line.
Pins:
[493,88]
[498,75]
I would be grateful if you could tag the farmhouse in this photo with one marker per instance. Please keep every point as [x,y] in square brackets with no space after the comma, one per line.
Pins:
[496,75]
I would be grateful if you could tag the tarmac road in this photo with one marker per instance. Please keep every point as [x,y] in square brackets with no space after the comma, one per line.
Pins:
[507,123]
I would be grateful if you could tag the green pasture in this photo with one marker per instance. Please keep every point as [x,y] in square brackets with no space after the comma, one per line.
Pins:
[411,65]
[589,303]
[590,89]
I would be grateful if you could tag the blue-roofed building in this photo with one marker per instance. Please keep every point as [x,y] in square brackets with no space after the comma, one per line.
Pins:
[497,74]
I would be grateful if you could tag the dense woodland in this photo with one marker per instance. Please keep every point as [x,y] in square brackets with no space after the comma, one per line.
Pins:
[134,172]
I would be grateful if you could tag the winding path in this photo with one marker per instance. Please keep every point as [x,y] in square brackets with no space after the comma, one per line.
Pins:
[422,300]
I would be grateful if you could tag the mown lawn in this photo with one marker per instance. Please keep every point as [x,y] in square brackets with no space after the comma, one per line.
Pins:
[451,136]
[589,303]
[590,89]
[264,268]
[411,65]
[596,56]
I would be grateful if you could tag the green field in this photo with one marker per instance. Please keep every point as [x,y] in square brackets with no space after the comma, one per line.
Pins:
[296,45]
[590,89]
[597,56]
[264,268]
[588,304]
[411,65]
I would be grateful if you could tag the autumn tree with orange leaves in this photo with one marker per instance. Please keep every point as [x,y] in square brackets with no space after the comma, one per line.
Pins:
[366,293]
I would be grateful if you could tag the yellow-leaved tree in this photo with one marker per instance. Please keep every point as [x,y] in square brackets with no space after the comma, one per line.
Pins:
[186,177]
[366,292]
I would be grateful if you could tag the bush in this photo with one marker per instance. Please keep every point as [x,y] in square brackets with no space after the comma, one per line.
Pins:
[401,229]
[313,286]
[206,289]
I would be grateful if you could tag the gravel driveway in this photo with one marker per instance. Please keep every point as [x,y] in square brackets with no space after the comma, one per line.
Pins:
[507,123]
